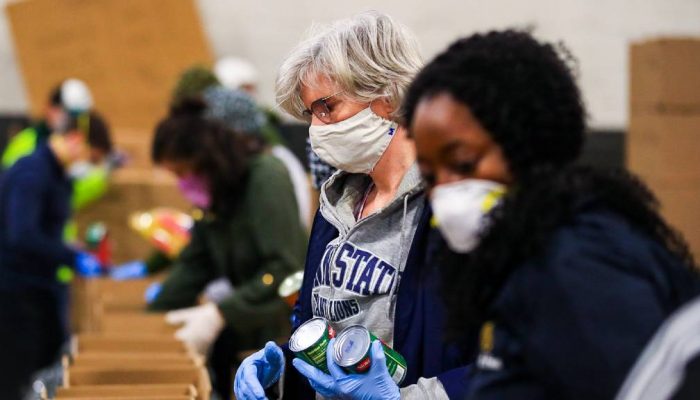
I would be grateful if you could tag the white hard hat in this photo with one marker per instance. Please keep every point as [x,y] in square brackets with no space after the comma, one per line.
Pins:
[233,72]
[75,95]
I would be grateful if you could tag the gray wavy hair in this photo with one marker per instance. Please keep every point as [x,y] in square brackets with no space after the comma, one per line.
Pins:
[369,56]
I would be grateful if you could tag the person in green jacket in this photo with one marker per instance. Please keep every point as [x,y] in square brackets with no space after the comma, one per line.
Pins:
[250,234]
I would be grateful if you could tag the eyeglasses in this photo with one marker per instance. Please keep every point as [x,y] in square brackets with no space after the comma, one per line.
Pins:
[320,109]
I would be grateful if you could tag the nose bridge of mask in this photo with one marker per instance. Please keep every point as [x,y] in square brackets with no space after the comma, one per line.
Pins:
[491,199]
[340,126]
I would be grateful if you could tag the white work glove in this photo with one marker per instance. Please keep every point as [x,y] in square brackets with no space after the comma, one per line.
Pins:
[202,325]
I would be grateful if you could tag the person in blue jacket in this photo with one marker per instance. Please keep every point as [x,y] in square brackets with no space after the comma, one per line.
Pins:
[366,258]
[35,196]
[566,269]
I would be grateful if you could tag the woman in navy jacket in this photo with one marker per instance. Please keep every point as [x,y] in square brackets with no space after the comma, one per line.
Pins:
[366,258]
[569,270]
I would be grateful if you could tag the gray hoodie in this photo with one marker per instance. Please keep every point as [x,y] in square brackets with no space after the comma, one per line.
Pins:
[361,268]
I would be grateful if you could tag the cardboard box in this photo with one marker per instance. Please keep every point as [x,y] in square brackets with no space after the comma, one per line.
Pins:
[140,323]
[664,145]
[131,392]
[130,397]
[121,344]
[196,376]
[664,128]
[136,145]
[664,76]
[76,376]
[101,289]
[680,205]
[112,305]
[132,360]
[118,390]
[90,296]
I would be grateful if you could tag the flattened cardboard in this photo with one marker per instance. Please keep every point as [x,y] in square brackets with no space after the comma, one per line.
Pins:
[665,76]
[664,145]
[664,130]
[130,52]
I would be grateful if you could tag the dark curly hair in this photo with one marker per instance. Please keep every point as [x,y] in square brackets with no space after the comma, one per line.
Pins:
[521,92]
[213,150]
[525,96]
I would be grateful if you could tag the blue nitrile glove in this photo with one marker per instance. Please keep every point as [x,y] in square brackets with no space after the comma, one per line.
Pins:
[152,291]
[87,265]
[374,384]
[258,372]
[131,270]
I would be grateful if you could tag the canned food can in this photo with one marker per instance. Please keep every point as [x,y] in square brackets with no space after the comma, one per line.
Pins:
[310,342]
[290,286]
[352,352]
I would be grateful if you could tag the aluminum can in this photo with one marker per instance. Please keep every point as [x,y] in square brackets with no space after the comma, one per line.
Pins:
[352,352]
[310,342]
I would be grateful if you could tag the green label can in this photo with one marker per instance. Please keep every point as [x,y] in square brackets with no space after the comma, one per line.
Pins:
[310,342]
[352,352]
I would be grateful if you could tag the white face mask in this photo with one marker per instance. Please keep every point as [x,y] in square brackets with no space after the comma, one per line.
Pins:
[460,208]
[355,144]
[80,169]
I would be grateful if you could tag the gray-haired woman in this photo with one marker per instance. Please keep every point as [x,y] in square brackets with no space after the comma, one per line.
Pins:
[366,260]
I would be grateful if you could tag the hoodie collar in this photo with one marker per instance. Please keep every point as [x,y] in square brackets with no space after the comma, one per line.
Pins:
[341,193]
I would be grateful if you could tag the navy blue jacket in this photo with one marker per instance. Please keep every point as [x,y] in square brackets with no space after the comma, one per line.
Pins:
[571,323]
[419,317]
[34,206]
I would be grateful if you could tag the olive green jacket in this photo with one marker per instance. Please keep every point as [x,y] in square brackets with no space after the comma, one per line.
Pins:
[255,247]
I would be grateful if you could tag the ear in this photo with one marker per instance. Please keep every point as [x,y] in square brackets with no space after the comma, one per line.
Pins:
[383,107]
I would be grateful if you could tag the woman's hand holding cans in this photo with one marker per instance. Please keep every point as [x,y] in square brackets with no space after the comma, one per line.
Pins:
[375,383]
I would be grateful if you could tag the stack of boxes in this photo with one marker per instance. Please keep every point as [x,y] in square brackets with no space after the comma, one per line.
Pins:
[124,353]
[663,142]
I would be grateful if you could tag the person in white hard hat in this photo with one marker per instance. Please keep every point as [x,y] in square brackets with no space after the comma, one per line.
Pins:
[72,96]
[35,203]
[68,100]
